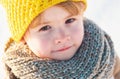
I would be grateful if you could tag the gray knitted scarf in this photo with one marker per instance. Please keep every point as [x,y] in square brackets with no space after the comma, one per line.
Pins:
[94,59]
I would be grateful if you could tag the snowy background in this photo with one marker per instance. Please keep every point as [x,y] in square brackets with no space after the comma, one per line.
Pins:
[106,13]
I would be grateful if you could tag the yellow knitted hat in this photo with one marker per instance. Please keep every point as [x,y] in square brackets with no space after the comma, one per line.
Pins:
[20,13]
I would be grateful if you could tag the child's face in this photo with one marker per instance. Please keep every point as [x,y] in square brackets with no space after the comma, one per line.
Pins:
[58,36]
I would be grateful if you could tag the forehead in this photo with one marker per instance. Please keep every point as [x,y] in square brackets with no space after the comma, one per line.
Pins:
[54,13]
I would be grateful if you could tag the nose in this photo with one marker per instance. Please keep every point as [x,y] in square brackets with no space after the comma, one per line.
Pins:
[62,36]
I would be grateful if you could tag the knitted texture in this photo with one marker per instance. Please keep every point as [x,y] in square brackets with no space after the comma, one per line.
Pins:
[94,59]
[21,13]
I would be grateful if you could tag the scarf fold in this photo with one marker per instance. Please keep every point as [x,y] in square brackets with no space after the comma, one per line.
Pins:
[94,59]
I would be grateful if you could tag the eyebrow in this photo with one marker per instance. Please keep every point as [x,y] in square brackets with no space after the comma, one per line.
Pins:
[48,22]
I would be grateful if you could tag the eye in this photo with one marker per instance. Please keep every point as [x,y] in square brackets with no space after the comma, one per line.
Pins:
[70,20]
[45,28]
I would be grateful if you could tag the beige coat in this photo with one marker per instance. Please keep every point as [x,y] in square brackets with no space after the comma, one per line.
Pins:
[116,72]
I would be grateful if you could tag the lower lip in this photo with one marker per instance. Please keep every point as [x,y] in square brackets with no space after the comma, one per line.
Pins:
[64,49]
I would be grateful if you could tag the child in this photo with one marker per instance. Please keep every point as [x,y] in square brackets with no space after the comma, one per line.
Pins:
[52,40]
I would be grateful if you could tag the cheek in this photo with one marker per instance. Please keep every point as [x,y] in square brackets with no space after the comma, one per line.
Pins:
[40,46]
[78,34]
[43,45]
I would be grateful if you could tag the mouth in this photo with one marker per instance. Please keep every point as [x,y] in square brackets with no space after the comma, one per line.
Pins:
[62,49]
